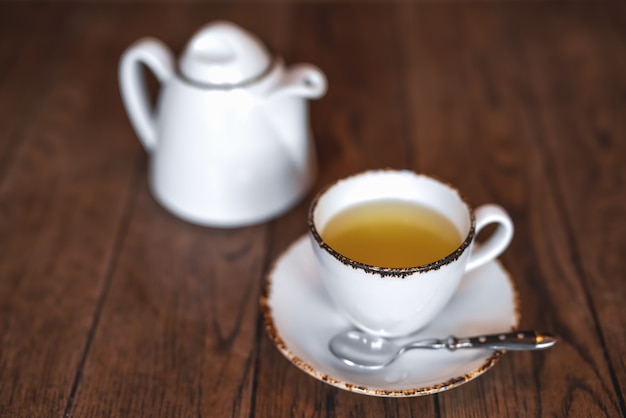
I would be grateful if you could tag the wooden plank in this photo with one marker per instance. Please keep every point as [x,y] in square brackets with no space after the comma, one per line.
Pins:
[361,65]
[579,77]
[178,329]
[22,56]
[476,127]
[178,332]
[355,47]
[62,197]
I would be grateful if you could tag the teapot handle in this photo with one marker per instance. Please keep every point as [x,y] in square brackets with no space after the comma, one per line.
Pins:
[158,58]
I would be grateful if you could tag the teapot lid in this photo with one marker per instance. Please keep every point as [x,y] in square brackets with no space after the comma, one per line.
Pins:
[222,53]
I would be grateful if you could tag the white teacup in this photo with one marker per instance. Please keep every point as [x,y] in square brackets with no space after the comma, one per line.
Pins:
[393,302]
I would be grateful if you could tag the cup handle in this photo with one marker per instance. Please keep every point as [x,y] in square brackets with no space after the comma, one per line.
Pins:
[498,242]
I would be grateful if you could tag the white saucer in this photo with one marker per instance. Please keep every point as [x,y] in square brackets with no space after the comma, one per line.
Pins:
[300,319]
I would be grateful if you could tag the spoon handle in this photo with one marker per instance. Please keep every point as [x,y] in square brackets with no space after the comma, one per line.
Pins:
[512,341]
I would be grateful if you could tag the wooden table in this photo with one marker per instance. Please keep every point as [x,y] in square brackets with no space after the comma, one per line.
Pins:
[111,306]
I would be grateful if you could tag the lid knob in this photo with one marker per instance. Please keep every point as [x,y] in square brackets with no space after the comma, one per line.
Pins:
[222,53]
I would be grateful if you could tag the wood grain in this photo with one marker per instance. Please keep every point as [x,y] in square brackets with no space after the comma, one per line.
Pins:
[489,114]
[584,125]
[111,306]
[63,193]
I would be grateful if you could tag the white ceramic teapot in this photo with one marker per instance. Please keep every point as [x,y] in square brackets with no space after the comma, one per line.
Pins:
[229,140]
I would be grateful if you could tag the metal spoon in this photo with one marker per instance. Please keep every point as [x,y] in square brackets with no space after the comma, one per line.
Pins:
[359,349]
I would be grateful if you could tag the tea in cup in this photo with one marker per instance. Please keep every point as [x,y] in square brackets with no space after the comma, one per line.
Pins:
[392,247]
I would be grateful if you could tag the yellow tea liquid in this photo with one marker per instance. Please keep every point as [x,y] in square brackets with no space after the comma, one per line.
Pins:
[391,233]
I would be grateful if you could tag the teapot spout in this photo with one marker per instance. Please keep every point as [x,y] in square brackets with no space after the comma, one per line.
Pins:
[303,80]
